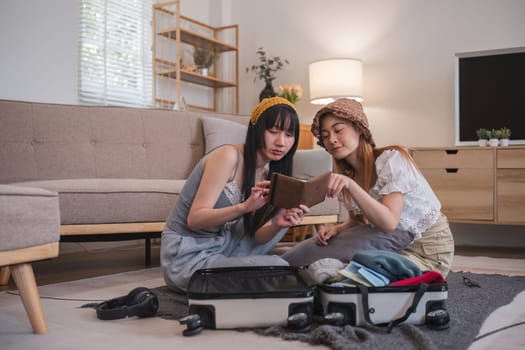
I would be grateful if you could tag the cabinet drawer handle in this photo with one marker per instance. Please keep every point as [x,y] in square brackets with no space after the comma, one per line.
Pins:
[452,170]
[451,151]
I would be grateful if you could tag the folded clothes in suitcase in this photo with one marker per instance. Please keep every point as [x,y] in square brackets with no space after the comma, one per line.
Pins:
[242,297]
[384,306]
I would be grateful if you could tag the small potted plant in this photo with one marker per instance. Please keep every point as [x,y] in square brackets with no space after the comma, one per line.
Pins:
[494,137]
[505,136]
[203,59]
[483,136]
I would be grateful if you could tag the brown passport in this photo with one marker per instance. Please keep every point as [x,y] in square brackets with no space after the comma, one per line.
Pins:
[289,192]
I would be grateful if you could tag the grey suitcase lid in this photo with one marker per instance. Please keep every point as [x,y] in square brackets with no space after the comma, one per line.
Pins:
[248,282]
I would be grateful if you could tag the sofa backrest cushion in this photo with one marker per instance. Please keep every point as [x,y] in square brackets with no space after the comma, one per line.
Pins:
[218,132]
[40,141]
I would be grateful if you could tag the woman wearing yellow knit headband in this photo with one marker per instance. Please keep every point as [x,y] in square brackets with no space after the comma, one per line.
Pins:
[222,216]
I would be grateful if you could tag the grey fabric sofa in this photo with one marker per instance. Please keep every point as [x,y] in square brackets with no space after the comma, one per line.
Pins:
[118,171]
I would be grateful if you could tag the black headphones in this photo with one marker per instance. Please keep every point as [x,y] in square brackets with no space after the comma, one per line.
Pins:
[140,302]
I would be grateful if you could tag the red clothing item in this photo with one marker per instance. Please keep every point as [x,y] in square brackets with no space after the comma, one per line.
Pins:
[427,277]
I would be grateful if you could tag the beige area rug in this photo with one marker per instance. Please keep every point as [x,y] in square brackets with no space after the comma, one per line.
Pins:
[71,327]
[487,265]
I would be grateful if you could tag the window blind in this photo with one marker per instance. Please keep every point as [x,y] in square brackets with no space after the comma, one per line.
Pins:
[115,52]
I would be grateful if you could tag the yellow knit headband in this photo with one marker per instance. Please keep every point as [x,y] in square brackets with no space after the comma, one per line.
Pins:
[267,103]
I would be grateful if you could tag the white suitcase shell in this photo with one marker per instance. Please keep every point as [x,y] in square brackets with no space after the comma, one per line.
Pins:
[243,297]
[385,304]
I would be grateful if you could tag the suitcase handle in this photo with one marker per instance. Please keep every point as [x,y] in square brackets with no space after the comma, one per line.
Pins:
[412,308]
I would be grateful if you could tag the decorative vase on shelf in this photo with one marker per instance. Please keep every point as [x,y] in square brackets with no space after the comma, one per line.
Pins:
[203,71]
[504,142]
[493,142]
[483,136]
[267,91]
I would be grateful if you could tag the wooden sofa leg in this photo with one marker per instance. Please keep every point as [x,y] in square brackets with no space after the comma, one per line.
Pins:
[25,282]
[4,275]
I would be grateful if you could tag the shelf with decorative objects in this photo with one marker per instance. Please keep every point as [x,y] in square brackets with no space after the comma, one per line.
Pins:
[173,72]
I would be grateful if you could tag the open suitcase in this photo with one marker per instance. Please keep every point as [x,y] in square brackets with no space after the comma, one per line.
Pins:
[385,306]
[243,297]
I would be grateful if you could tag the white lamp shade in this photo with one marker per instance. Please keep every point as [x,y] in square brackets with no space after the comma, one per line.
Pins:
[335,78]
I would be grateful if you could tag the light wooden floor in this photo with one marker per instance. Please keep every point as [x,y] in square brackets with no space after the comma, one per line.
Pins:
[97,262]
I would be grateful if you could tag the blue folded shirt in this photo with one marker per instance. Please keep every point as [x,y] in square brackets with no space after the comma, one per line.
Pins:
[364,275]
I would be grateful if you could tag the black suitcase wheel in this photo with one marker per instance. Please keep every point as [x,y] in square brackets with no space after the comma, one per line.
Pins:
[334,319]
[438,319]
[193,325]
[299,322]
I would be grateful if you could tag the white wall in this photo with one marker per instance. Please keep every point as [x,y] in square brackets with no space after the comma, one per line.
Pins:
[39,50]
[407,47]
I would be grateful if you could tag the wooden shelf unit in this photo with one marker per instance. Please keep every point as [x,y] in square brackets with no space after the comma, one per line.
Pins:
[477,184]
[176,71]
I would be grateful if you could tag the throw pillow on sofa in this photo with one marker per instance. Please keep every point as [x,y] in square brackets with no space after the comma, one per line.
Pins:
[218,132]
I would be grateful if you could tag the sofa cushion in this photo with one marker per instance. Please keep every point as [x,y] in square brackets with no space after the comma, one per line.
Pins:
[328,207]
[98,201]
[44,141]
[108,201]
[28,217]
[219,132]
[308,163]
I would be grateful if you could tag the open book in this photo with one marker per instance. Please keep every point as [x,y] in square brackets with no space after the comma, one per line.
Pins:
[289,192]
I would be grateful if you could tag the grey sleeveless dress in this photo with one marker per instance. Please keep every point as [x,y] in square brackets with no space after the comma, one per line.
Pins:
[184,251]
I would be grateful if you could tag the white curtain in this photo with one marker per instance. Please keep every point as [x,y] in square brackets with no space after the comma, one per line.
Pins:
[115,52]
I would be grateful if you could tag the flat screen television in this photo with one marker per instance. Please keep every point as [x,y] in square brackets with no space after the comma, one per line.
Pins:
[490,93]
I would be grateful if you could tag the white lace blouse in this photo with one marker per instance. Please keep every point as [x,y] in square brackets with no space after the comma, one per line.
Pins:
[395,173]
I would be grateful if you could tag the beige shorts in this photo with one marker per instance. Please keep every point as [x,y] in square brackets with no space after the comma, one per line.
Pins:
[435,249]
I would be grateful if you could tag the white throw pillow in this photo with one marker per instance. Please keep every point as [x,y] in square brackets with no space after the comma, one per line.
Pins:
[219,132]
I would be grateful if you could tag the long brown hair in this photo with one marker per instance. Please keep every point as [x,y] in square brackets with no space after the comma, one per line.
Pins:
[367,154]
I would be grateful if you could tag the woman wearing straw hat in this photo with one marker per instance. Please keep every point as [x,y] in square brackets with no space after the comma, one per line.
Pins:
[390,204]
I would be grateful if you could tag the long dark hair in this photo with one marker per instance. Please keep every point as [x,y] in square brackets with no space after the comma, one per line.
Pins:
[285,118]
